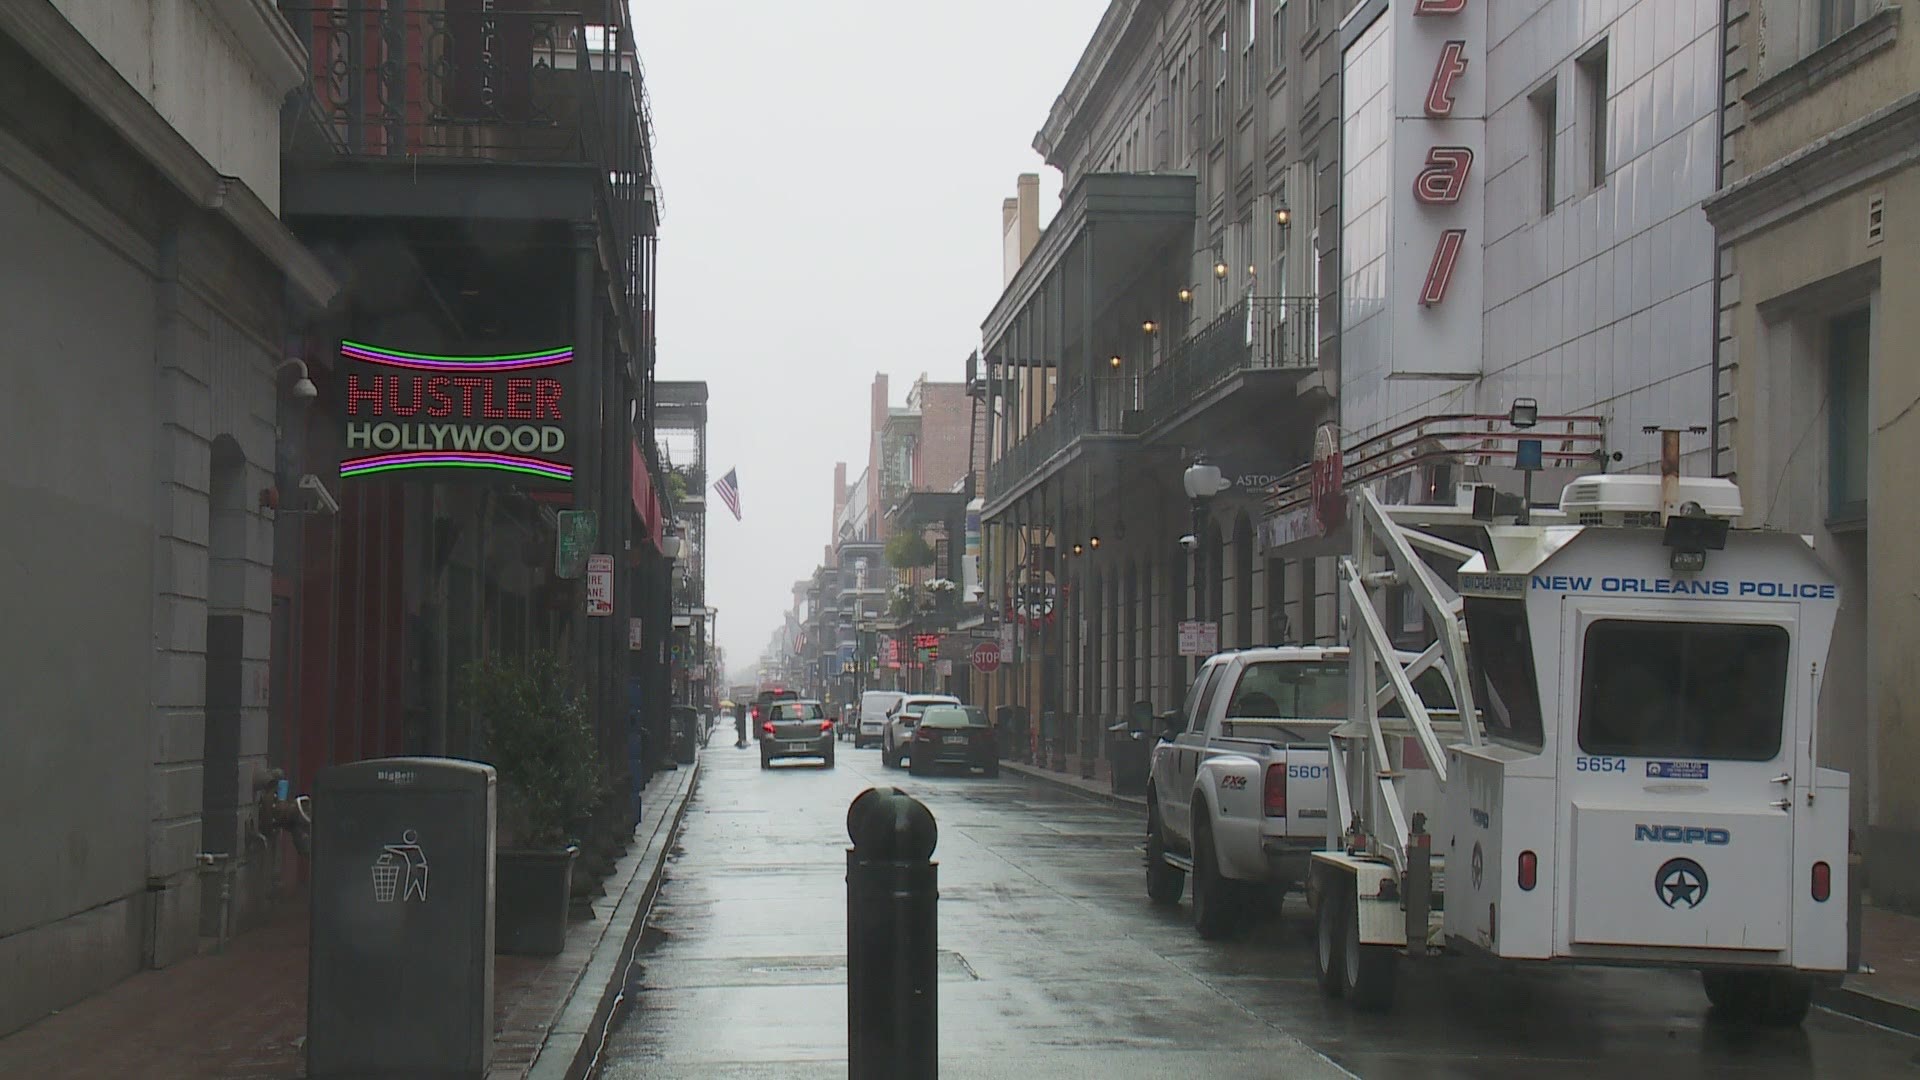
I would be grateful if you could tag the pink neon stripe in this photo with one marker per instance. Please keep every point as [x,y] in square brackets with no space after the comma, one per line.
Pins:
[452,455]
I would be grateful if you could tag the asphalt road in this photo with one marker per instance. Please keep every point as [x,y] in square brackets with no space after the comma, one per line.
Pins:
[1054,965]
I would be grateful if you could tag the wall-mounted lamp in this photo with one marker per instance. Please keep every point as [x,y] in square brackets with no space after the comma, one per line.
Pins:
[1149,326]
[1282,216]
[1078,549]
[1093,542]
[1185,295]
[1114,361]
[1220,270]
[302,388]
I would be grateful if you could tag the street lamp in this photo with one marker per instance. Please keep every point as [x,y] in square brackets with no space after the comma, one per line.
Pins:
[1524,414]
[1149,326]
[1114,361]
[1282,216]
[1185,294]
[1220,270]
[1202,481]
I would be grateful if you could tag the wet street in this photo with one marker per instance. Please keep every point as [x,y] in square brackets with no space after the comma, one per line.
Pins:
[1054,965]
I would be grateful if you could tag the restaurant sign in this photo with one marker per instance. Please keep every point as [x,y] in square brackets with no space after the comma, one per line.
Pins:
[438,417]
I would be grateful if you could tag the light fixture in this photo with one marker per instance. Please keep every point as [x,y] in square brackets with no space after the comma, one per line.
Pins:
[1078,549]
[1185,295]
[1203,480]
[1114,361]
[1282,216]
[1220,270]
[1525,412]
[1149,326]
[1093,542]
[302,388]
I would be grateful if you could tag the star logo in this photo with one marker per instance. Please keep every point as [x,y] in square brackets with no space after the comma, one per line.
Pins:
[1479,866]
[1680,883]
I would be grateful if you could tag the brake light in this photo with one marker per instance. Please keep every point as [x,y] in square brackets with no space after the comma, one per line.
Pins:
[925,734]
[826,726]
[767,727]
[1276,791]
[756,713]
[1822,881]
[1529,874]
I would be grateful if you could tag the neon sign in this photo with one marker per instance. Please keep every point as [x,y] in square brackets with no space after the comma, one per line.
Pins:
[1442,180]
[425,413]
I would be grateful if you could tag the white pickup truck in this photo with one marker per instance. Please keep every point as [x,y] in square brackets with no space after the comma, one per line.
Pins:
[1238,792]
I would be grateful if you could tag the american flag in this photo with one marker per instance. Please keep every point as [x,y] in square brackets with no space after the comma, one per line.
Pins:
[729,488]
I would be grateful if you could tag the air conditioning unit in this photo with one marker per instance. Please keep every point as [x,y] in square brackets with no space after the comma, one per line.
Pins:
[1633,500]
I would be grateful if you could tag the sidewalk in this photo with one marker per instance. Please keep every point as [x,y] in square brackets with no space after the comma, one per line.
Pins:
[242,1014]
[1890,995]
[1071,780]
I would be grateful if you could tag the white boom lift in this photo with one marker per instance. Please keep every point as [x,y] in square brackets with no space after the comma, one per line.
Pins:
[1629,774]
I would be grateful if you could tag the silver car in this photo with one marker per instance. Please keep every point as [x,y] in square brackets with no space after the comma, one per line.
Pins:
[795,729]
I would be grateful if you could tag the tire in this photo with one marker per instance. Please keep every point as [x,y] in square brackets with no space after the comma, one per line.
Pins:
[766,762]
[993,770]
[1766,998]
[917,769]
[827,763]
[886,756]
[1367,970]
[1218,909]
[1165,882]
[1330,937]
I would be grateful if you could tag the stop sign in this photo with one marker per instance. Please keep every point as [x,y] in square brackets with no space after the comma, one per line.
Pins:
[986,657]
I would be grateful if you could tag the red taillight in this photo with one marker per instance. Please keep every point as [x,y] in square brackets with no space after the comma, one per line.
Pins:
[826,726]
[756,712]
[1529,870]
[923,734]
[767,727]
[1822,881]
[1276,791]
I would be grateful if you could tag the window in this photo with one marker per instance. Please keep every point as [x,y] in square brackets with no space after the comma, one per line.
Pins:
[1277,38]
[1835,17]
[1683,690]
[1593,87]
[1848,340]
[1220,65]
[789,713]
[1197,720]
[1249,18]
[1500,669]
[1546,118]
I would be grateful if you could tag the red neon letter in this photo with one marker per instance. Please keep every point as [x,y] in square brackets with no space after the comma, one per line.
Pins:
[519,399]
[487,407]
[467,384]
[439,403]
[1452,65]
[393,396]
[1440,272]
[1444,179]
[546,399]
[1439,7]
[355,395]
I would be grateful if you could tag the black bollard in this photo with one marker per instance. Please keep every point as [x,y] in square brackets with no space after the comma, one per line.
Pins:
[893,1018]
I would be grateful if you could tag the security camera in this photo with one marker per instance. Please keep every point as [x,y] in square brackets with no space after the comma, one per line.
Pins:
[312,483]
[1190,541]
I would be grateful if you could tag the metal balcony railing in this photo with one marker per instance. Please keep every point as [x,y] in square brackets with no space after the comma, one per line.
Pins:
[408,79]
[1260,333]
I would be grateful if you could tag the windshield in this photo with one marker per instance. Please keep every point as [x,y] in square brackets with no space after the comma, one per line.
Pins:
[953,716]
[1683,690]
[1315,690]
[796,710]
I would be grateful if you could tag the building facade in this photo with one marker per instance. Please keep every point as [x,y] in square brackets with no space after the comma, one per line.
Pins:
[1819,265]
[152,288]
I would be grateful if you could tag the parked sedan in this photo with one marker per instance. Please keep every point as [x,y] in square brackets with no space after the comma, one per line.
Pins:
[901,721]
[954,735]
[795,729]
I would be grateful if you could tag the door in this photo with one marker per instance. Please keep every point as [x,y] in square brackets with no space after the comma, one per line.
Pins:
[1190,746]
[1678,775]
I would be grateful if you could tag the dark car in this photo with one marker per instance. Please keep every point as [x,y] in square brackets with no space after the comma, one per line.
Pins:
[765,698]
[954,735]
[791,729]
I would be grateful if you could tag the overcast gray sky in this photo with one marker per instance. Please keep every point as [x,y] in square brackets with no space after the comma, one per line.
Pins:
[832,173]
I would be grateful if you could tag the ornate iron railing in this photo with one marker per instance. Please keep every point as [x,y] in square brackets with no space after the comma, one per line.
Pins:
[1107,405]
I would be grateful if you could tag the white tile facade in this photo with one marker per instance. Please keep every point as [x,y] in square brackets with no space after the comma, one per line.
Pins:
[1604,303]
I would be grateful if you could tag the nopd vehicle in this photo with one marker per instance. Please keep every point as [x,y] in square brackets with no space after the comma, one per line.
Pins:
[954,735]
[795,729]
[1632,776]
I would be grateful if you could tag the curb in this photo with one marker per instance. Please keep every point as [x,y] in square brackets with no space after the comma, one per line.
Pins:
[1060,780]
[572,1046]
[1870,1007]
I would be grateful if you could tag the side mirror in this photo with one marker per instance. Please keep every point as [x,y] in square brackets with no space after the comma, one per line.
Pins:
[1169,725]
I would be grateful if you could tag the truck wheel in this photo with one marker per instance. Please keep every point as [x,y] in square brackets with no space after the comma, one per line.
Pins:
[1165,882]
[1767,998]
[1330,937]
[1368,969]
[1219,910]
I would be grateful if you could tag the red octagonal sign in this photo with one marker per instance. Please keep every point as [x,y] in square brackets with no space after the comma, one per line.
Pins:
[986,657]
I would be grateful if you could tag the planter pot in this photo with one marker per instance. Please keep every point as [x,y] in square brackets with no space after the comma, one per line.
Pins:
[531,893]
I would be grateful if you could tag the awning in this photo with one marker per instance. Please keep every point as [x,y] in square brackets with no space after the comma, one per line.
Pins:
[646,502]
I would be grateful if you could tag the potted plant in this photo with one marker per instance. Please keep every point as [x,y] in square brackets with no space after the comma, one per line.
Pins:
[541,744]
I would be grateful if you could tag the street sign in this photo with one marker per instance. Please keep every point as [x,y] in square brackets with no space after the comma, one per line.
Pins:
[986,657]
[636,635]
[1199,638]
[946,669]
[599,585]
[577,535]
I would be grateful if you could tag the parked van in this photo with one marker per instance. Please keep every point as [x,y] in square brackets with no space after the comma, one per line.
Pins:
[874,707]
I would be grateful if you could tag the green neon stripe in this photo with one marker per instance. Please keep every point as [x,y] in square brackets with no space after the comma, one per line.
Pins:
[458,359]
[455,465]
